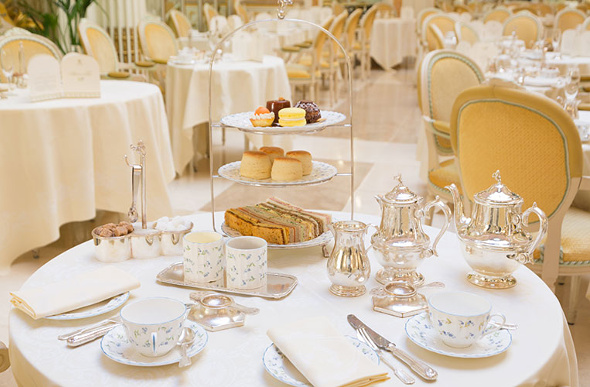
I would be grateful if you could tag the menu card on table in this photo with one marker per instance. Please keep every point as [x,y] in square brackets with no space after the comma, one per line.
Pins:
[77,76]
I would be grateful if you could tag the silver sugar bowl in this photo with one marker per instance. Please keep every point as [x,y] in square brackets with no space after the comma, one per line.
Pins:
[494,241]
[400,244]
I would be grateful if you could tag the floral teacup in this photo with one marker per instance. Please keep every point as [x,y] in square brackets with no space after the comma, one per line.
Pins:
[246,266]
[203,257]
[461,318]
[154,324]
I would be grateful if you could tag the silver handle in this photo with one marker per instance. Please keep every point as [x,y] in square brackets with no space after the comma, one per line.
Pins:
[424,370]
[89,336]
[401,374]
[437,202]
[184,360]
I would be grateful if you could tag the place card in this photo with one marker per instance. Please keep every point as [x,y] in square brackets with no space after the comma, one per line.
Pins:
[80,76]
[44,78]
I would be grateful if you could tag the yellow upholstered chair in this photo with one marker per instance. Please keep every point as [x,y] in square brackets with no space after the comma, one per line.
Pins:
[525,8]
[366,28]
[98,44]
[569,19]
[350,28]
[179,23]
[527,27]
[157,41]
[241,11]
[586,25]
[306,72]
[499,14]
[32,45]
[420,18]
[337,8]
[443,22]
[330,67]
[442,76]
[536,146]
[466,33]
[460,8]
[542,9]
[210,13]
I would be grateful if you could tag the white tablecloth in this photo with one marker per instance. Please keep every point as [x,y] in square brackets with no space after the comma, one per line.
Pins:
[238,86]
[541,353]
[392,40]
[583,62]
[61,160]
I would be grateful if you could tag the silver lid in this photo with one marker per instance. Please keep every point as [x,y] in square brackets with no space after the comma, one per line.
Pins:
[401,194]
[497,194]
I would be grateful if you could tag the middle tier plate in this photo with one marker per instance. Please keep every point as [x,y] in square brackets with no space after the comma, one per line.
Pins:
[242,122]
[320,173]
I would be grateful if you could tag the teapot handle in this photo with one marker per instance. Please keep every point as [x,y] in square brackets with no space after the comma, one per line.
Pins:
[437,202]
[527,257]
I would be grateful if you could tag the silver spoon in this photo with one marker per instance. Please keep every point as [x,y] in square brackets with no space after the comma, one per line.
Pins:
[187,337]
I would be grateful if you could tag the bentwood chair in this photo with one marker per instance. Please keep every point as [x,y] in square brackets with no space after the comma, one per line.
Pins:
[351,43]
[366,29]
[32,45]
[97,43]
[526,26]
[241,11]
[569,19]
[306,73]
[443,75]
[499,14]
[210,13]
[157,41]
[536,146]
[180,24]
[4,359]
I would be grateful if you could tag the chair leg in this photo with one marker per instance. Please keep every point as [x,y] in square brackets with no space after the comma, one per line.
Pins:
[572,312]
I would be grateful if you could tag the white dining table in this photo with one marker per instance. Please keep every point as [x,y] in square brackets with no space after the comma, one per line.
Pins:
[238,86]
[392,40]
[541,352]
[61,160]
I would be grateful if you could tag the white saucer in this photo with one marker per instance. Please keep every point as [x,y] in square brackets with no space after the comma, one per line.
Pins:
[94,309]
[420,331]
[283,370]
[116,346]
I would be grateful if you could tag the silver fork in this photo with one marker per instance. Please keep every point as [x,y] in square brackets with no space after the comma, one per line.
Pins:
[400,373]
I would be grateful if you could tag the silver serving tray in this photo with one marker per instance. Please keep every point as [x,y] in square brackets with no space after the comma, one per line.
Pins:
[278,285]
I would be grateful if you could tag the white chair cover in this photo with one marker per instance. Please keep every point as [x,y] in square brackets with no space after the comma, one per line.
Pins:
[218,25]
[569,41]
[234,22]
[492,31]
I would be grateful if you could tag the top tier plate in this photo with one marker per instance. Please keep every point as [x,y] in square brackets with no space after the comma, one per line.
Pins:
[242,121]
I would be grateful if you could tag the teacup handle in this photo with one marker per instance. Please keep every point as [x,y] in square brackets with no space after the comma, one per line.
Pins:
[491,328]
[154,345]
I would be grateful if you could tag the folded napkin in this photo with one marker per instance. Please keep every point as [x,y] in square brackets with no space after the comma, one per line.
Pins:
[324,356]
[73,293]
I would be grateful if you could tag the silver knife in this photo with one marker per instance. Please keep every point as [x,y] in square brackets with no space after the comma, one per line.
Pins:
[419,367]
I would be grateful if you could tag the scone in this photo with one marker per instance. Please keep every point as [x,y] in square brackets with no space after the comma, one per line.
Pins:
[286,169]
[292,117]
[304,157]
[273,152]
[255,165]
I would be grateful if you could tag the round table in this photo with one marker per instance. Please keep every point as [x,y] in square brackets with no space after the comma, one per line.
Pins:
[541,353]
[392,40]
[565,61]
[62,159]
[238,86]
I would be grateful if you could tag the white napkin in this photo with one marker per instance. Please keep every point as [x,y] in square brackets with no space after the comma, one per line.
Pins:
[324,356]
[73,293]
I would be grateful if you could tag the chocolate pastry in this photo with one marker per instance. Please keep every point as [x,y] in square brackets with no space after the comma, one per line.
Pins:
[312,111]
[275,106]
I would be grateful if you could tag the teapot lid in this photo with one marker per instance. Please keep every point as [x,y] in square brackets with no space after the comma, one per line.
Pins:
[497,194]
[401,194]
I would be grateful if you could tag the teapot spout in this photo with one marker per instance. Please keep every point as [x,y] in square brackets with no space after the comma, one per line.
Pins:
[461,220]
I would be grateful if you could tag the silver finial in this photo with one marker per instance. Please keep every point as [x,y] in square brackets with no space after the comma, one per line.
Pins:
[497,176]
[282,12]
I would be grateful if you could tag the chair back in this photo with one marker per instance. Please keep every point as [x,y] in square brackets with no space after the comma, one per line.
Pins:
[397,6]
[97,43]
[543,9]
[234,22]
[219,25]
[466,33]
[337,28]
[586,25]
[4,14]
[439,39]
[569,19]
[526,26]
[499,14]
[528,137]
[366,23]
[460,8]
[32,45]
[384,10]
[422,15]
[241,11]
[180,24]
[351,25]
[157,40]
[209,12]
[318,43]
[444,23]
[337,8]
[442,76]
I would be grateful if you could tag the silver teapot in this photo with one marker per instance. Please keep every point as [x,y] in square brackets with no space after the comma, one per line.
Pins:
[494,241]
[400,244]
